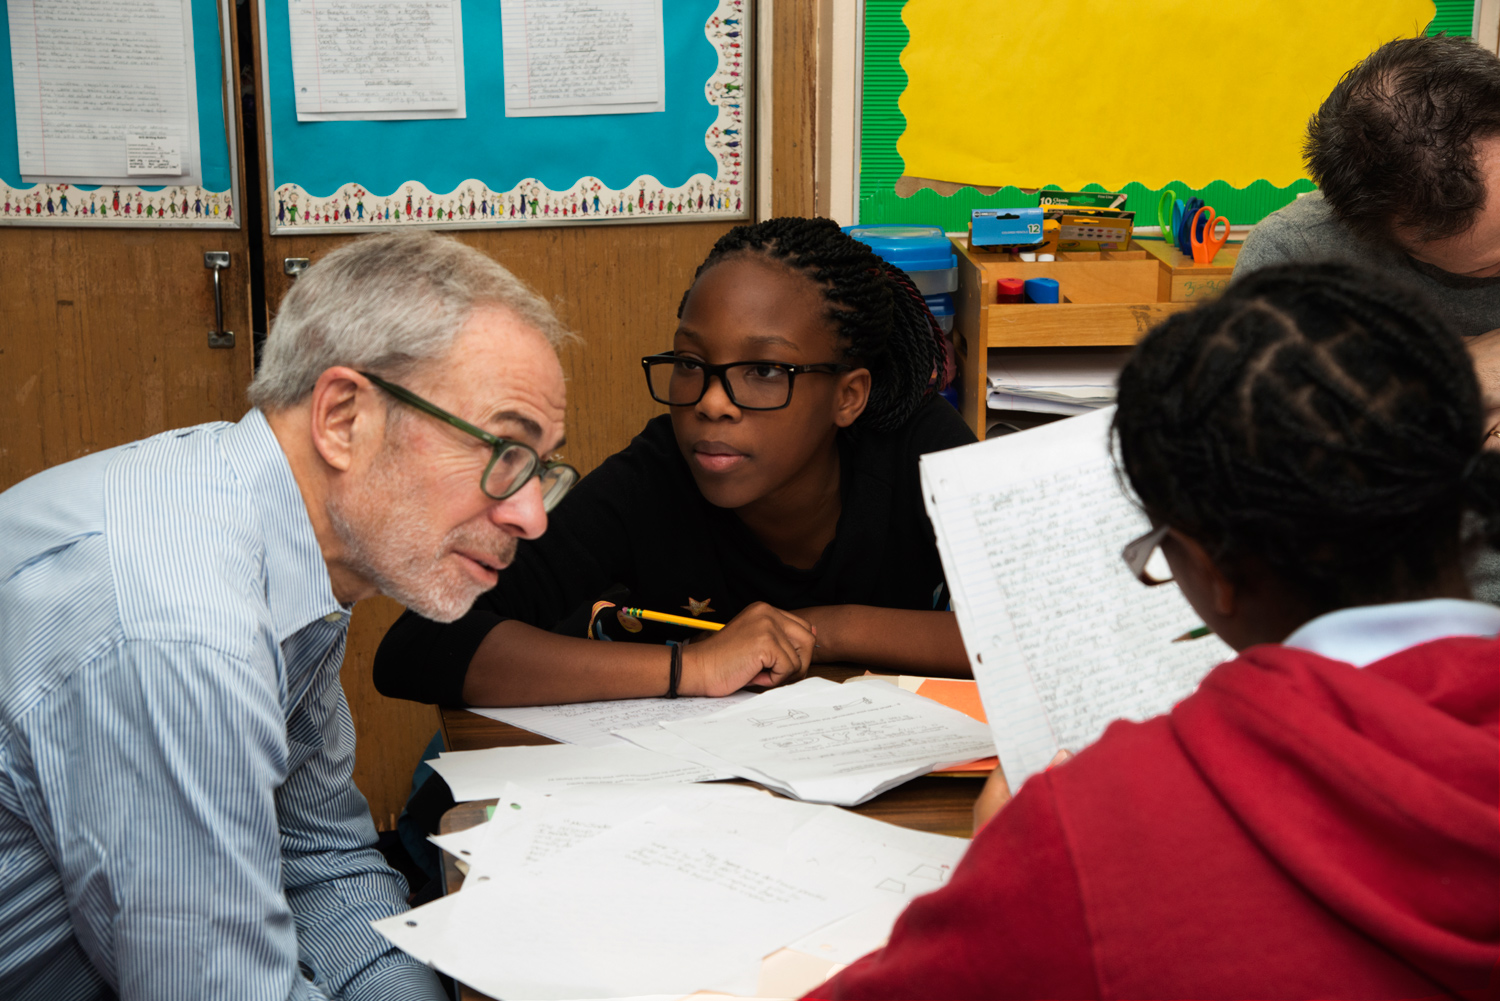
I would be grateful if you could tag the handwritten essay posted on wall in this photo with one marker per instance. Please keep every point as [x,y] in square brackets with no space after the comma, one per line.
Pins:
[582,57]
[1062,637]
[595,892]
[377,59]
[105,90]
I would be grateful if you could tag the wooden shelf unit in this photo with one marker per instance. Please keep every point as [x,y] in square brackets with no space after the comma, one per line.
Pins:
[1112,298]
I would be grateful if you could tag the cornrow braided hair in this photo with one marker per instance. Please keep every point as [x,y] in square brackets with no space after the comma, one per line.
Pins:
[1318,419]
[882,321]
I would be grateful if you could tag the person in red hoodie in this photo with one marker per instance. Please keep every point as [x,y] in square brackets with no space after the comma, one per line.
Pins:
[1321,818]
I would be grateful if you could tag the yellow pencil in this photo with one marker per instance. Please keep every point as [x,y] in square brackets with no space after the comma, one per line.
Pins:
[680,620]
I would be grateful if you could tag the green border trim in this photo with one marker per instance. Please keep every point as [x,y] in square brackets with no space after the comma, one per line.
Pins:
[882,124]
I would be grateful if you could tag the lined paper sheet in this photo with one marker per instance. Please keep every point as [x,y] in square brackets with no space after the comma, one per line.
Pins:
[91,73]
[1061,637]
[355,60]
[592,723]
[582,57]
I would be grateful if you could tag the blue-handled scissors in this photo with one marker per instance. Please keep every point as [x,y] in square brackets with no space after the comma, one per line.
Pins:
[1182,236]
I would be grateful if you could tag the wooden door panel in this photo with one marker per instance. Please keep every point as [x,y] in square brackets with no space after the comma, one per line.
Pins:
[104,339]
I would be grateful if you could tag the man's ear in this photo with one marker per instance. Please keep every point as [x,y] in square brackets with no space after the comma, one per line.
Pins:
[1208,578]
[342,411]
[851,397]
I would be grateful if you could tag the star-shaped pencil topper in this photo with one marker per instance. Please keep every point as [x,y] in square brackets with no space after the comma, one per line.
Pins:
[696,608]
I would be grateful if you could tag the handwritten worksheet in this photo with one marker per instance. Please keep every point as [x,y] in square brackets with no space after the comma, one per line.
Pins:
[582,57]
[592,892]
[593,723]
[1061,636]
[839,744]
[104,90]
[377,59]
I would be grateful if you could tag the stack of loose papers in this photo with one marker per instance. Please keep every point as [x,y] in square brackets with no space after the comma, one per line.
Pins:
[822,742]
[594,892]
[1054,382]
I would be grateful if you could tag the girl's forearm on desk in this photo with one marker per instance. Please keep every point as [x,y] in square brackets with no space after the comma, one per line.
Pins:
[521,665]
[906,639]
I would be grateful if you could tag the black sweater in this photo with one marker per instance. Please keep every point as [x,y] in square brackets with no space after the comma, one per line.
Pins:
[638,528]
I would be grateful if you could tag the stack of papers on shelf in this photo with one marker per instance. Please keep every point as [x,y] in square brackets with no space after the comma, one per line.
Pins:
[825,743]
[597,892]
[1054,382]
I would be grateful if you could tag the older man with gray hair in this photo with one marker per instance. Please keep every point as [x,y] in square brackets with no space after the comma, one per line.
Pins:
[176,811]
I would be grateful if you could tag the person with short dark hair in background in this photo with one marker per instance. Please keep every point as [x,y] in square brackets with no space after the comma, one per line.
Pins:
[1405,151]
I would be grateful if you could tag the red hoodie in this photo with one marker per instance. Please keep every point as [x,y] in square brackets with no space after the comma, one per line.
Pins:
[1297,828]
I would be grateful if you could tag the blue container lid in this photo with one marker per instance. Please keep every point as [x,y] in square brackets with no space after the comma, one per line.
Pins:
[910,248]
[940,304]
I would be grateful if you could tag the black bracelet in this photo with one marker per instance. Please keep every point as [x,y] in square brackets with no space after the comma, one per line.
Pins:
[676,675]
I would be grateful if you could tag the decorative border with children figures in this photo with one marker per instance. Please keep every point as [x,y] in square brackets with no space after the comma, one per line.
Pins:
[474,204]
[62,204]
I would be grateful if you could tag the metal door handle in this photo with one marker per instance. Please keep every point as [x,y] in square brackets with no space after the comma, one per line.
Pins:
[216,261]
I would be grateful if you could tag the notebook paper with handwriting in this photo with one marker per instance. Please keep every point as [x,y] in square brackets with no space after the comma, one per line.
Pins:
[1061,636]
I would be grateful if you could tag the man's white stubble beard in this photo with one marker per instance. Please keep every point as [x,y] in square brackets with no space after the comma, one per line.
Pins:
[382,528]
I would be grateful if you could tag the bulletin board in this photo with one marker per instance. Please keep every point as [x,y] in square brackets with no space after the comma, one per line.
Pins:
[1050,102]
[214,203]
[486,170]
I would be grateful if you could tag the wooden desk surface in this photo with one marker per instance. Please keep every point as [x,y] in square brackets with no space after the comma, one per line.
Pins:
[940,804]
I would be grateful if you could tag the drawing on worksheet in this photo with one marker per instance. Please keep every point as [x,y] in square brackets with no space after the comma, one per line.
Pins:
[1023,524]
[612,62]
[769,720]
[119,115]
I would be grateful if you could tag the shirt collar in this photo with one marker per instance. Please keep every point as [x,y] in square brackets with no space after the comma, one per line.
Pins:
[298,589]
[1363,635]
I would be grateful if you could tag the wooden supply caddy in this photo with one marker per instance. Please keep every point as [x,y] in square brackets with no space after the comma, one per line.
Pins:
[1113,298]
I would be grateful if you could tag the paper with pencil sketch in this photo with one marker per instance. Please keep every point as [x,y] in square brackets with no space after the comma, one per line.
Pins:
[828,743]
[1062,638]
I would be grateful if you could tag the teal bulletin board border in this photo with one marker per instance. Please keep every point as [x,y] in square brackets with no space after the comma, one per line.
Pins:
[882,124]
[210,204]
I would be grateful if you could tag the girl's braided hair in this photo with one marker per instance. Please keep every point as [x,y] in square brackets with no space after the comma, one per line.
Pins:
[882,322]
[1317,418]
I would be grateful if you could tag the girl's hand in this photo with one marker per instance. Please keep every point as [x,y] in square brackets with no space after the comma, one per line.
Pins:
[996,792]
[760,646]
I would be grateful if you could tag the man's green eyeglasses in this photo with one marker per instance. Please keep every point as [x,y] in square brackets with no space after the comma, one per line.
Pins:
[512,463]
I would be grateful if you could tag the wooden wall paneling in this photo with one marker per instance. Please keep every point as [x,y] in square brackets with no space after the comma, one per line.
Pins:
[104,337]
[617,287]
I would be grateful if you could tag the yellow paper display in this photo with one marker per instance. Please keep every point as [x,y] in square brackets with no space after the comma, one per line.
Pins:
[1068,92]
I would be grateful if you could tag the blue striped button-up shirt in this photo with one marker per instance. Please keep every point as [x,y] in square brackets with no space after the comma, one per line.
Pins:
[177,819]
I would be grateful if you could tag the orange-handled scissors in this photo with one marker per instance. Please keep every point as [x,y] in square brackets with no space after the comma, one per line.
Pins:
[1205,247]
